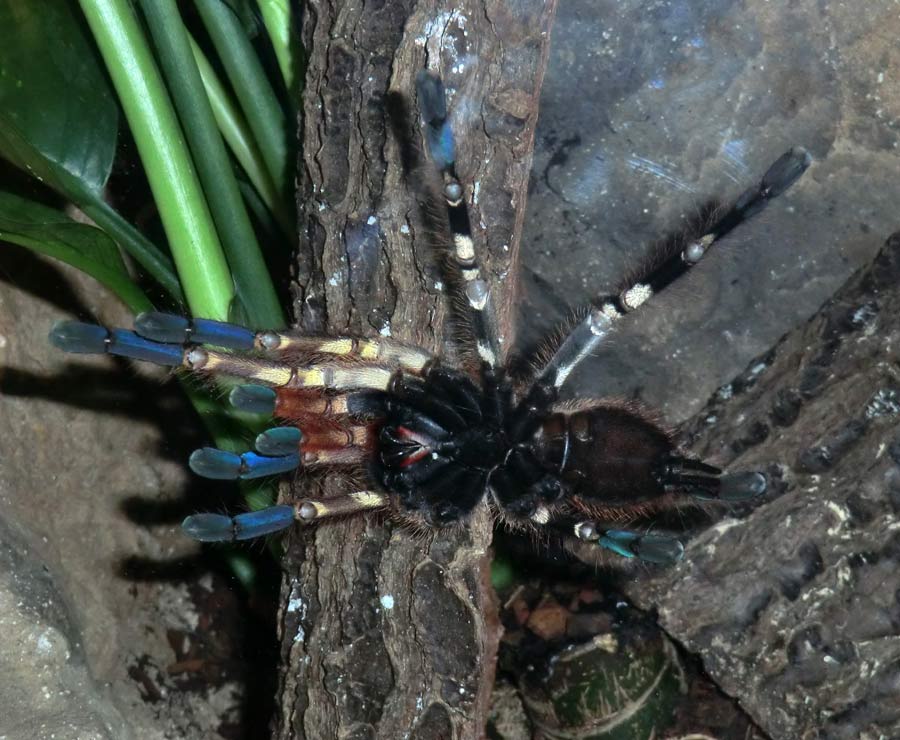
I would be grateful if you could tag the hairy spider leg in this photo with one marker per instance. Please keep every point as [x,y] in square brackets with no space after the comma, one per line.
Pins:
[75,336]
[248,526]
[587,334]
[783,173]
[708,483]
[174,329]
[297,395]
[590,332]
[442,150]
[649,547]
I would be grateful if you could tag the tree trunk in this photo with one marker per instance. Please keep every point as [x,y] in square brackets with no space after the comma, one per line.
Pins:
[794,606]
[385,633]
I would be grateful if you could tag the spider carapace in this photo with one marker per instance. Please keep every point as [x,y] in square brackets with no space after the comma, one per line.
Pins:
[435,441]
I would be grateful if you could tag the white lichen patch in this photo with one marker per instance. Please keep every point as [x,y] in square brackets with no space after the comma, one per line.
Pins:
[841,513]
[387,602]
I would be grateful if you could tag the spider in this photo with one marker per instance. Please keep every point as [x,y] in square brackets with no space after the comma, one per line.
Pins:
[434,440]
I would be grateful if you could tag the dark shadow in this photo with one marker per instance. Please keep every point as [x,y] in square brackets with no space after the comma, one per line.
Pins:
[41,278]
[120,394]
[235,637]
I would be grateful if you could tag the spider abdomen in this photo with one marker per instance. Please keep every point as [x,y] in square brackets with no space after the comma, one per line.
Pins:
[606,455]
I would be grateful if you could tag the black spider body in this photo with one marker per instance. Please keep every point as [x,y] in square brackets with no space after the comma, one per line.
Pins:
[446,444]
[438,441]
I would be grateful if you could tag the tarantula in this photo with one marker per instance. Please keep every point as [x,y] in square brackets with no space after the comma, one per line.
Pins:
[435,440]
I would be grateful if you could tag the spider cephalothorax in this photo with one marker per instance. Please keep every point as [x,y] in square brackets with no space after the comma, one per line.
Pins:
[436,441]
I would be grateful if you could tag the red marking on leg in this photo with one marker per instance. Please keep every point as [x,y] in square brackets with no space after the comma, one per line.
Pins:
[293,403]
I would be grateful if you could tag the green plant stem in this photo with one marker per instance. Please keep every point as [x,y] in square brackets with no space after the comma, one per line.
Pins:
[239,138]
[133,242]
[254,92]
[276,15]
[186,219]
[254,286]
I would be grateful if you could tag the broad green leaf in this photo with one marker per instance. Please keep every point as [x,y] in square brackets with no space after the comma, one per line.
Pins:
[16,147]
[52,86]
[59,120]
[54,234]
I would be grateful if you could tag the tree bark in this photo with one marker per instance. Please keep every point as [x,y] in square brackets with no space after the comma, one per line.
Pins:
[385,633]
[794,604]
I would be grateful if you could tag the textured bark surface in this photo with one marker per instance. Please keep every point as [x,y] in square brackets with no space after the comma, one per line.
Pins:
[794,606]
[384,633]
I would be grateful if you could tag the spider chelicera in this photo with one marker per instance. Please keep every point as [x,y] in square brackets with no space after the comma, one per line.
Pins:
[434,440]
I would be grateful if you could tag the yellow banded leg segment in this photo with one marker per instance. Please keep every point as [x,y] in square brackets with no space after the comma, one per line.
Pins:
[311,510]
[237,366]
[343,378]
[324,376]
[377,351]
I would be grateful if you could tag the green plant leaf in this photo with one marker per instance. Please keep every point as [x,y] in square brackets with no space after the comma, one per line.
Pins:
[47,231]
[16,147]
[280,19]
[52,86]
[59,120]
[240,140]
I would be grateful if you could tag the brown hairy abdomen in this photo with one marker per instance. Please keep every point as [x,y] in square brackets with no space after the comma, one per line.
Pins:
[613,453]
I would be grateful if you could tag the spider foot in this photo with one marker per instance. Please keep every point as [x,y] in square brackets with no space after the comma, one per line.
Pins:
[223,528]
[253,399]
[81,338]
[651,548]
[278,441]
[210,462]
[174,329]
[742,486]
[729,488]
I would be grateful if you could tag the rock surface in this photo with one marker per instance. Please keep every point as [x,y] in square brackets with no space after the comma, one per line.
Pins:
[649,109]
[794,605]
[90,649]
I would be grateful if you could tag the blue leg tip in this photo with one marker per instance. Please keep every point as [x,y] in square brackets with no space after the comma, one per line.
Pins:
[210,462]
[259,466]
[162,327]
[231,336]
[76,336]
[265,521]
[651,548]
[128,344]
[222,528]
[171,328]
[278,441]
[209,528]
[216,464]
[742,486]
[253,399]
